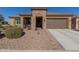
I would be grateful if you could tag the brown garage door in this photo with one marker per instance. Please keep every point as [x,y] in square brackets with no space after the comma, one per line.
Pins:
[56,23]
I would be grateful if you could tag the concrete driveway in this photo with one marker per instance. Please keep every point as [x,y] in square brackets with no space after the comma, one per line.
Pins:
[69,39]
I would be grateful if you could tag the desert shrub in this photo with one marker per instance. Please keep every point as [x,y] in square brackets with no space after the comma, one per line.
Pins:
[13,32]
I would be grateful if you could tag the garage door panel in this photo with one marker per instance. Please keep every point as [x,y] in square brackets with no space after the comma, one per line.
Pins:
[56,23]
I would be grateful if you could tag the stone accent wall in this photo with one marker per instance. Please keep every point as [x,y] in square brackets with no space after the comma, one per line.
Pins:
[38,13]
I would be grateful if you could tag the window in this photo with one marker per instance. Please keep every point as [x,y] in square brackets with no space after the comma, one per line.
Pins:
[17,21]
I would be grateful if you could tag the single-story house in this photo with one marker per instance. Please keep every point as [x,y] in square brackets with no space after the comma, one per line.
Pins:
[40,18]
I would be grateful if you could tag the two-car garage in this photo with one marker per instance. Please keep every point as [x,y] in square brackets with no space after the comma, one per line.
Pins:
[57,23]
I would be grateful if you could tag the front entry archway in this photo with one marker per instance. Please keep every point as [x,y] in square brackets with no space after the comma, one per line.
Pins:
[39,22]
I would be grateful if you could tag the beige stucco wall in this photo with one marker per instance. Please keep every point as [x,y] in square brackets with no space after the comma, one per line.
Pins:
[11,21]
[21,18]
[77,24]
[69,22]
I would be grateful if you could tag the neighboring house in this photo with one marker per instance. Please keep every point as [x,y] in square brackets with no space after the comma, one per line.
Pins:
[40,18]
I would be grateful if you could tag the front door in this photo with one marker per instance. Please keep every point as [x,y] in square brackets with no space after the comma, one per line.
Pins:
[38,22]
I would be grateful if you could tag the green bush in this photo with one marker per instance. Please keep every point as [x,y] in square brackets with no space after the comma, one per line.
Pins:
[13,32]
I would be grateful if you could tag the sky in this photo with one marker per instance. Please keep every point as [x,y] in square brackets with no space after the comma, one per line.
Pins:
[14,11]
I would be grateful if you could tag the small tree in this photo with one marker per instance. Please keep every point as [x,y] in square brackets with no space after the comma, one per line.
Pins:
[0,24]
[1,21]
